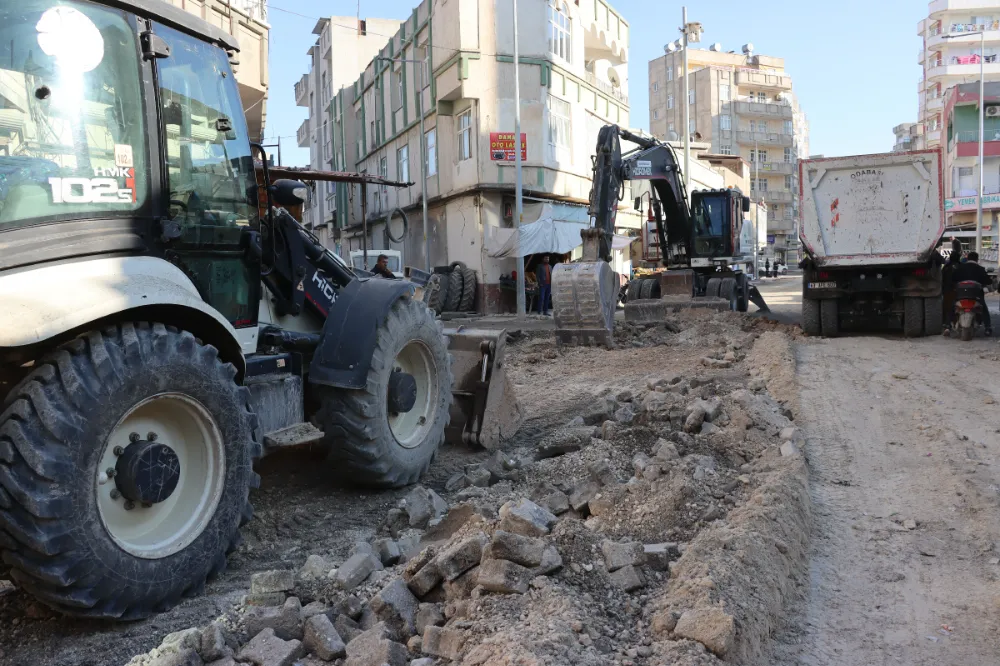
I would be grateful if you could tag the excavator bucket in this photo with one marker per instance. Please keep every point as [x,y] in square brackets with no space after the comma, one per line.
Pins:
[584,296]
[484,409]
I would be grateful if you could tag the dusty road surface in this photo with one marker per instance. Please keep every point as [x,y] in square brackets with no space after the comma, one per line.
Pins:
[904,459]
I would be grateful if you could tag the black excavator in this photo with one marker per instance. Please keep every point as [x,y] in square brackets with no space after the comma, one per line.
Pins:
[701,243]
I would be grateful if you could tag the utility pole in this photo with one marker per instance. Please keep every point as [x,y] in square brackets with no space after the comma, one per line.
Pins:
[518,202]
[982,115]
[756,207]
[686,101]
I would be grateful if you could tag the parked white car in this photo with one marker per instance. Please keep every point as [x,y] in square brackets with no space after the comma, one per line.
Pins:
[395,260]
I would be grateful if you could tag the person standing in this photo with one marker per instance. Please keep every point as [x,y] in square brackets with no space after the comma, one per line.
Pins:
[767,268]
[544,275]
[382,267]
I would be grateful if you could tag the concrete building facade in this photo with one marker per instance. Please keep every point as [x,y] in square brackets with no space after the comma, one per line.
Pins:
[960,157]
[740,104]
[247,21]
[573,80]
[355,42]
[909,136]
[948,62]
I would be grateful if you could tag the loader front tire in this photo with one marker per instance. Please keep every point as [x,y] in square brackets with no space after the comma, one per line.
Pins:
[165,414]
[369,444]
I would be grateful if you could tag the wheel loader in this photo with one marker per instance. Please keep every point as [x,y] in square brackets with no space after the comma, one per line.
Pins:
[167,320]
[698,243]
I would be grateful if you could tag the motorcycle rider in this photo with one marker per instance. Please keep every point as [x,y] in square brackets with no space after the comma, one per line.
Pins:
[971,271]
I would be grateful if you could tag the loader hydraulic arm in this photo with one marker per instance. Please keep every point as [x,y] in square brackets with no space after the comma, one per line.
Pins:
[652,161]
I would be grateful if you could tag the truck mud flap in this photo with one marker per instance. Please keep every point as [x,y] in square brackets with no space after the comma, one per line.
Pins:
[485,411]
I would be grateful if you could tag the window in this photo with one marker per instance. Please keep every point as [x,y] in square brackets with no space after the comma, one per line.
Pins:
[560,27]
[374,141]
[383,167]
[788,182]
[326,141]
[670,101]
[965,172]
[761,125]
[725,150]
[656,114]
[725,122]
[691,96]
[724,92]
[788,127]
[789,156]
[325,89]
[465,135]
[399,90]
[691,126]
[59,158]
[762,184]
[431,140]
[670,73]
[403,164]
[762,97]
[559,122]
[656,86]
[670,131]
[359,118]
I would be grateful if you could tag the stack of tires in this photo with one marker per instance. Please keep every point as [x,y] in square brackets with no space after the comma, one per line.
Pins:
[452,289]
[643,287]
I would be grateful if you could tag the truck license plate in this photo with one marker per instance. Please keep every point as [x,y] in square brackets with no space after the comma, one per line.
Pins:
[822,285]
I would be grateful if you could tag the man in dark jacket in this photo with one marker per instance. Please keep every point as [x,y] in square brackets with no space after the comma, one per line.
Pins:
[971,271]
[382,267]
[543,273]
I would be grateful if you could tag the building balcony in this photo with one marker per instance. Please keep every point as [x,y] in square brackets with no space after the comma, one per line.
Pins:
[303,134]
[781,225]
[302,91]
[783,168]
[934,103]
[933,138]
[764,138]
[747,77]
[764,109]
[773,196]
[938,7]
[992,30]
[958,67]
[605,87]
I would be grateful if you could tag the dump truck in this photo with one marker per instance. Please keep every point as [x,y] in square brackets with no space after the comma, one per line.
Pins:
[870,228]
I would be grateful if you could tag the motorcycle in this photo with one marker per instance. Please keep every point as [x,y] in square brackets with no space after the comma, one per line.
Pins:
[968,309]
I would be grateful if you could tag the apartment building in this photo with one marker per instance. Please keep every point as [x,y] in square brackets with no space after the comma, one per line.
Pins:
[573,80]
[909,136]
[948,62]
[960,156]
[247,21]
[741,104]
[356,42]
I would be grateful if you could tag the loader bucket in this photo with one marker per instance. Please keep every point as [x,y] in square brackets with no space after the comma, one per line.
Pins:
[484,409]
[584,297]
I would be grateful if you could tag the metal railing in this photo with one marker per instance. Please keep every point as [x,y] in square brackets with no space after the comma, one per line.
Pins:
[786,168]
[765,138]
[764,109]
[972,136]
[302,134]
[974,27]
[777,196]
[605,87]
[745,77]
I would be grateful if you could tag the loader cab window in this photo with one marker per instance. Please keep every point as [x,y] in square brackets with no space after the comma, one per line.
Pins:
[212,187]
[711,215]
[72,131]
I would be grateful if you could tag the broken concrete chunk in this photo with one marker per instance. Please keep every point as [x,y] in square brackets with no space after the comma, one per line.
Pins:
[315,567]
[789,449]
[625,414]
[265,599]
[456,481]
[284,621]
[357,567]
[712,627]
[550,498]
[374,648]
[443,642]
[694,420]
[276,580]
[185,657]
[601,472]
[526,551]
[350,606]
[551,561]
[659,555]
[618,555]
[479,477]
[665,450]
[425,580]
[461,557]
[388,551]
[322,639]
[396,606]
[266,649]
[212,643]
[663,623]
[639,462]
[504,577]
[461,587]
[793,435]
[347,628]
[708,428]
[525,517]
[313,608]
[600,411]
[423,505]
[584,491]
[627,578]
[601,505]
[428,615]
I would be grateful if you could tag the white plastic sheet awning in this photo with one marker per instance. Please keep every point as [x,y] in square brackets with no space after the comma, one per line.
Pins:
[556,231]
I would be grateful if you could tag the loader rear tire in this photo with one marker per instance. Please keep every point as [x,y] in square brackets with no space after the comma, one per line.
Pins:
[369,446]
[469,283]
[811,322]
[933,315]
[454,296]
[713,287]
[913,317]
[91,405]
[829,314]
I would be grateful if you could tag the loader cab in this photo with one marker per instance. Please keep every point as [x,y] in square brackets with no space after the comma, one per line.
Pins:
[121,135]
[716,223]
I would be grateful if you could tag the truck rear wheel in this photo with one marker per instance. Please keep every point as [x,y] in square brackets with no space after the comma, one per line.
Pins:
[933,315]
[634,290]
[126,460]
[913,317]
[829,314]
[728,291]
[811,322]
[646,290]
[743,293]
[713,287]
[387,434]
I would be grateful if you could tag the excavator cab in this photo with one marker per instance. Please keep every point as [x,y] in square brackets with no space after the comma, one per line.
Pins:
[717,219]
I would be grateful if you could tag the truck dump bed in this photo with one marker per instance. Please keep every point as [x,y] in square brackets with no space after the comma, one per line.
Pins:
[871,209]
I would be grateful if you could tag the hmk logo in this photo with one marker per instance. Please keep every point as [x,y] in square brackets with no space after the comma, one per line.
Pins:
[325,287]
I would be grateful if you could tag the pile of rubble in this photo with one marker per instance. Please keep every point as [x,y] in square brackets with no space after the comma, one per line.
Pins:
[665,523]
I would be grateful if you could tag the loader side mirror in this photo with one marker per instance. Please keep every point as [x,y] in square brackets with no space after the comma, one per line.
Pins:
[746,204]
[288,192]
[638,204]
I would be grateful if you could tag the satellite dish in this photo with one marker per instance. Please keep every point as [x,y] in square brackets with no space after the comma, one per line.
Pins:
[670,48]
[748,48]
[614,78]
[671,135]
[717,47]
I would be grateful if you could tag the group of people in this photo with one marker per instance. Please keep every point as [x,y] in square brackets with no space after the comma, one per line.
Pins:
[964,267]
[767,268]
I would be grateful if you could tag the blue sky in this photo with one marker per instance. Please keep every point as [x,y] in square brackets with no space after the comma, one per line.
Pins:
[853,62]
